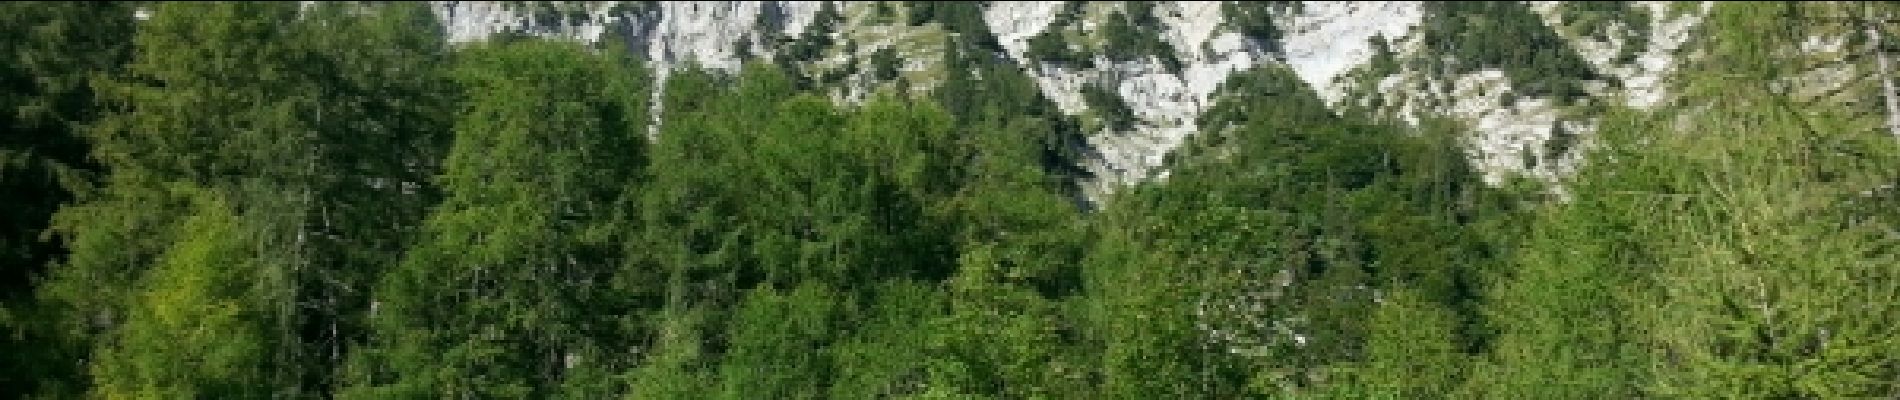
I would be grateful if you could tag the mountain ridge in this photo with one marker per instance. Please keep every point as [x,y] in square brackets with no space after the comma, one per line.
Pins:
[1160,64]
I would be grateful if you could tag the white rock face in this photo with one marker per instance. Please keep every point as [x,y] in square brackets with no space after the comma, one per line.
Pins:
[1507,134]
[700,32]
[1014,22]
[1323,42]
[1642,79]
[1668,35]
[1329,38]
[1166,104]
[468,21]
[474,20]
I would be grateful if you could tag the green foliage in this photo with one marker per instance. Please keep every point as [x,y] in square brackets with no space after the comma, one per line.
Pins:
[862,212]
[1414,349]
[315,143]
[1747,313]
[817,37]
[1050,46]
[1506,36]
[1130,36]
[46,100]
[1053,44]
[285,201]
[1561,142]
[963,19]
[1740,307]
[1004,112]
[885,64]
[54,51]
[773,339]
[882,13]
[828,207]
[383,130]
[1002,339]
[1365,82]
[1258,19]
[1675,271]
[890,354]
[1281,229]
[1384,61]
[1135,36]
[1595,18]
[1560,319]
[1676,255]
[531,232]
[201,326]
[1143,311]
[1109,107]
[1749,42]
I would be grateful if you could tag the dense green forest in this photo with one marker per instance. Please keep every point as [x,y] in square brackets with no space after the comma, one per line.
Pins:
[240,200]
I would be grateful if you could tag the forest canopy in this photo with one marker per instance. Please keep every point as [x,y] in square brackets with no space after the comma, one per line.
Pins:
[257,200]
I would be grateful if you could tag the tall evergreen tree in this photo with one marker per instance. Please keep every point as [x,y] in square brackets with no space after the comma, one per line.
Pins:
[1273,237]
[1710,244]
[510,290]
[198,329]
[279,110]
[197,111]
[54,50]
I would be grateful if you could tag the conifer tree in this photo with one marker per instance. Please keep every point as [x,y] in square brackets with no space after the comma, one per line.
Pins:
[312,125]
[54,51]
[510,291]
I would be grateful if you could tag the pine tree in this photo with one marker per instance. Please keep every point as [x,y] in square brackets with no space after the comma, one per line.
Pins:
[54,50]
[197,112]
[202,326]
[509,291]
[1774,279]
[318,145]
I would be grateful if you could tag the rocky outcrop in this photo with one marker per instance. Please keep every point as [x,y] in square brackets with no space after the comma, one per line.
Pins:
[1327,43]
[1166,102]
